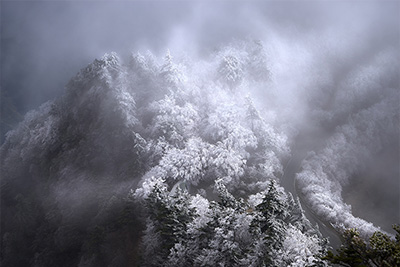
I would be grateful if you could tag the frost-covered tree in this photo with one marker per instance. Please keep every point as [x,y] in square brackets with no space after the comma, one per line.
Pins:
[185,230]
[139,153]
[170,72]
[168,215]
[270,225]
[172,121]
[258,66]
[231,71]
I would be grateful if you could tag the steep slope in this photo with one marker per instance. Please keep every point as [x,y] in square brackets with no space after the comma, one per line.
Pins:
[161,162]
[65,165]
[68,170]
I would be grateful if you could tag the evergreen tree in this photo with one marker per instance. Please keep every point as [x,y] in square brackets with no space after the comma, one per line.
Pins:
[225,231]
[231,71]
[271,223]
[168,215]
[258,62]
[380,251]
[253,116]
[170,71]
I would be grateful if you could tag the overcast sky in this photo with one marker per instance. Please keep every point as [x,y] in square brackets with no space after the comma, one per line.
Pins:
[44,43]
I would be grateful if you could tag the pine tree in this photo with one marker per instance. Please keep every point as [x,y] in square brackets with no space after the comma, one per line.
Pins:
[168,216]
[231,71]
[224,244]
[170,72]
[273,212]
[160,224]
[253,116]
[380,251]
[258,62]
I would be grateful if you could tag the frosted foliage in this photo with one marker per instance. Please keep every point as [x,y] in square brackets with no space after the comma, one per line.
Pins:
[227,117]
[229,232]
[102,69]
[231,70]
[196,143]
[271,164]
[34,139]
[143,65]
[126,105]
[325,173]
[243,62]
[240,138]
[256,199]
[202,207]
[171,72]
[173,120]
[228,162]
[299,249]
[272,140]
[188,163]
[42,133]
[141,145]
[148,186]
[39,129]
[242,228]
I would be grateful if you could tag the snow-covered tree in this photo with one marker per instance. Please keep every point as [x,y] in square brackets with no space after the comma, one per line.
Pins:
[140,153]
[258,66]
[170,72]
[231,70]
[167,221]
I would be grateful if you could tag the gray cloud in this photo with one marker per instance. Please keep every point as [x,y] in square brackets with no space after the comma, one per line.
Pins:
[44,43]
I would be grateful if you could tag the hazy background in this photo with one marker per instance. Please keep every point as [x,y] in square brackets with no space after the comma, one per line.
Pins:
[314,46]
[44,43]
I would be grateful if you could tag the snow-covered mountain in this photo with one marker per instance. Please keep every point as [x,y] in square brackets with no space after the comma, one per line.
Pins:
[175,162]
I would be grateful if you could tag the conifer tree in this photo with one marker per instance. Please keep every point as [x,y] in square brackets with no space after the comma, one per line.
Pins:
[381,250]
[169,71]
[273,212]
[231,70]
[258,62]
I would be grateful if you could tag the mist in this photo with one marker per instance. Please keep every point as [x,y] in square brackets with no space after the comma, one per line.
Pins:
[55,39]
[333,88]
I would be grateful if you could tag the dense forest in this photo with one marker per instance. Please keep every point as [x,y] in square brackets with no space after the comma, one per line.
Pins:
[148,161]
